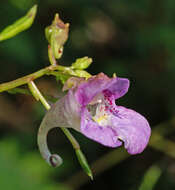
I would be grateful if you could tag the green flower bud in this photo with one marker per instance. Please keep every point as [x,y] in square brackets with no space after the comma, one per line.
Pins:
[82,73]
[82,63]
[83,162]
[57,34]
[48,32]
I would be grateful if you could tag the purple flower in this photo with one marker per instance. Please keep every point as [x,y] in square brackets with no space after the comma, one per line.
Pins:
[89,107]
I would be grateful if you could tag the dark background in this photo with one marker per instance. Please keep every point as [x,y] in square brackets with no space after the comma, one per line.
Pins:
[134,39]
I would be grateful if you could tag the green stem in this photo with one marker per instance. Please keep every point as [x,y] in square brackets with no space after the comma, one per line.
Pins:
[37,94]
[19,91]
[73,141]
[51,56]
[26,79]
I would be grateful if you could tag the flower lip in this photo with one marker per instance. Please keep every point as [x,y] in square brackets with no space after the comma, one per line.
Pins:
[111,125]
[103,135]
[126,127]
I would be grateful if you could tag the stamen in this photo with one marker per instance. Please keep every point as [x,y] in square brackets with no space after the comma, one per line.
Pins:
[101,107]
[100,120]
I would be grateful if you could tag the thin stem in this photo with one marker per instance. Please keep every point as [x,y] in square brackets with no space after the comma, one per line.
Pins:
[51,56]
[19,91]
[37,94]
[26,79]
[73,141]
[81,158]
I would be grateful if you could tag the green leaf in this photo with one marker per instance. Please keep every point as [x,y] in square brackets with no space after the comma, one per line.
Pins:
[20,25]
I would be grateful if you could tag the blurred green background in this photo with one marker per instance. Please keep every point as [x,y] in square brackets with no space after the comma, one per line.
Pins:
[135,39]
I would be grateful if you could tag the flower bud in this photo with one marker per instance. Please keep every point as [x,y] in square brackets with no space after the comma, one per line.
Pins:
[83,162]
[57,34]
[82,73]
[82,63]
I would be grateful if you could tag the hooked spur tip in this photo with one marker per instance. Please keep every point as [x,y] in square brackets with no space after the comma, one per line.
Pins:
[55,160]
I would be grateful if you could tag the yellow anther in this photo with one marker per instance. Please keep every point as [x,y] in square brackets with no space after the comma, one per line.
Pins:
[100,119]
